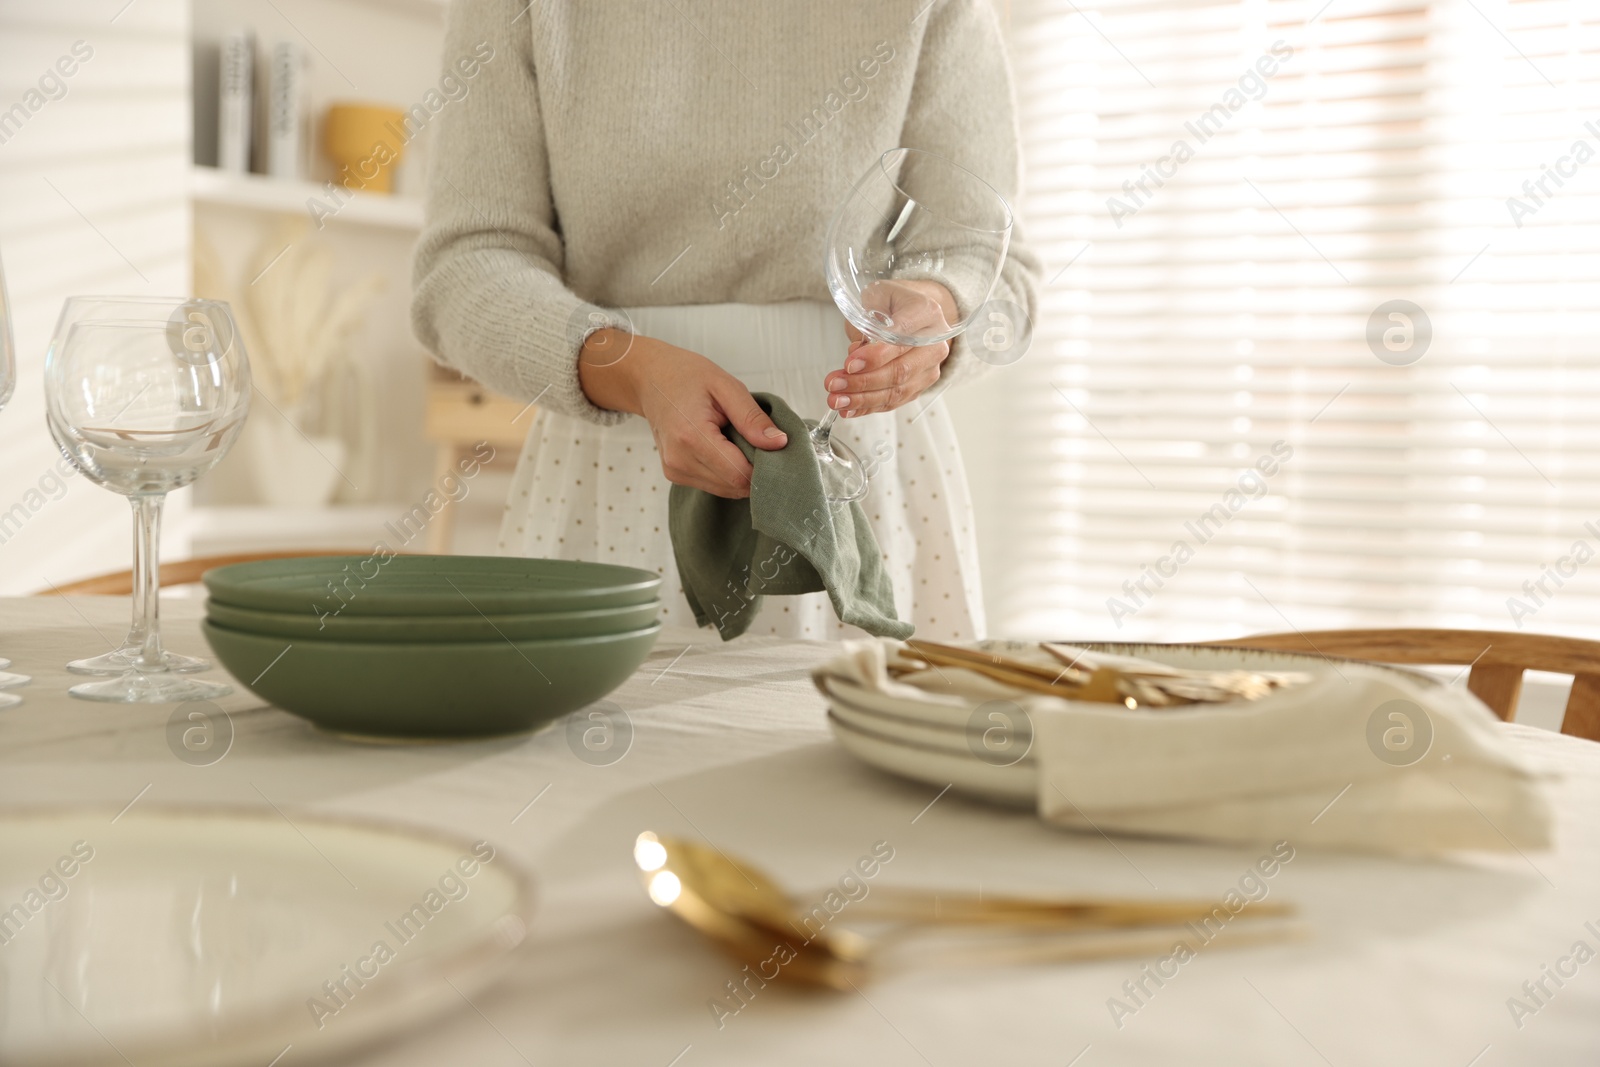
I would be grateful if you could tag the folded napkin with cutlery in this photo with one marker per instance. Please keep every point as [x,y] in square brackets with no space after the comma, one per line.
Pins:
[783,540]
[1344,754]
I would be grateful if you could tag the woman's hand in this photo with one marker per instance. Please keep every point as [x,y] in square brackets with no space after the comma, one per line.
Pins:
[687,399]
[881,377]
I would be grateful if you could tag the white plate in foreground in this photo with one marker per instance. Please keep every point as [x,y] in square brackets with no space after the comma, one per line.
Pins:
[205,937]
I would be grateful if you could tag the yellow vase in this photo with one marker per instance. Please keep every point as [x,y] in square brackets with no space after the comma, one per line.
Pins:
[364,141]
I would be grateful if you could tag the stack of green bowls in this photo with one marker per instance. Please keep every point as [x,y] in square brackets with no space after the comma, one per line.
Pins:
[431,646]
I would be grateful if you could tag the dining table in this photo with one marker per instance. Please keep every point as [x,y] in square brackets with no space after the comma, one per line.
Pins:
[1409,960]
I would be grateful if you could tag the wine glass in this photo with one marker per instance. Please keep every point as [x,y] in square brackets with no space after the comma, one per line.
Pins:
[133,308]
[912,217]
[144,396]
[8,385]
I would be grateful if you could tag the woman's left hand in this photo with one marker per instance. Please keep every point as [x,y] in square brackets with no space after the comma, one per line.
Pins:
[881,377]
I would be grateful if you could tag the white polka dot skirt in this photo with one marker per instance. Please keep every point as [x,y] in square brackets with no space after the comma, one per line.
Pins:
[587,492]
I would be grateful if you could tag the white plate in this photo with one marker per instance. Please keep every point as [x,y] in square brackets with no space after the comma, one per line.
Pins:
[171,938]
[946,715]
[901,729]
[1014,786]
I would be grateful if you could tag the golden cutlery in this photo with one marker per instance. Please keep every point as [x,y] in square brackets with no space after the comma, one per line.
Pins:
[1082,678]
[955,654]
[751,917]
[1098,686]
[740,888]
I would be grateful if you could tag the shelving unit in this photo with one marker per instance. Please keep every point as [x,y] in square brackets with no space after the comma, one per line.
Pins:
[361,51]
[256,192]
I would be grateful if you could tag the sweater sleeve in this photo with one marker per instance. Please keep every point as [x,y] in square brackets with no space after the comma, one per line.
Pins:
[487,292]
[963,108]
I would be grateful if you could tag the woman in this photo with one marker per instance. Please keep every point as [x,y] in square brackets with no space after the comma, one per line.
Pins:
[679,161]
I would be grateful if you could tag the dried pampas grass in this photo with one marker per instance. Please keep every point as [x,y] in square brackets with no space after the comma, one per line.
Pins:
[295,323]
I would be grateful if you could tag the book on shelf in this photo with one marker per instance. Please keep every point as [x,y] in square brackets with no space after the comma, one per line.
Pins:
[235,100]
[284,120]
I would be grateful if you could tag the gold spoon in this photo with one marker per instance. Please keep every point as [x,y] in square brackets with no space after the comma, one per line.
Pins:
[740,889]
[751,917]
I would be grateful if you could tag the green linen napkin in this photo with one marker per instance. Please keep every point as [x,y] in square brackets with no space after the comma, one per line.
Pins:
[785,539]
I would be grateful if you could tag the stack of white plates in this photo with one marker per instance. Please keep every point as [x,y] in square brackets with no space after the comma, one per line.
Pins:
[936,743]
[984,750]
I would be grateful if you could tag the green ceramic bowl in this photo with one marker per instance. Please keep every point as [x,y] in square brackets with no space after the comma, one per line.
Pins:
[430,691]
[434,629]
[428,585]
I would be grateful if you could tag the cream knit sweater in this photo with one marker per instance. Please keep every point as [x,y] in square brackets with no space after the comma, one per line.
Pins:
[657,152]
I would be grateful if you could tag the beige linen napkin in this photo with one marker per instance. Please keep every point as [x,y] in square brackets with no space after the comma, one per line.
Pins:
[1323,762]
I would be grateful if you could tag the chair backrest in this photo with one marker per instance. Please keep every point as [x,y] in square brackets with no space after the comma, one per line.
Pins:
[178,572]
[1497,660]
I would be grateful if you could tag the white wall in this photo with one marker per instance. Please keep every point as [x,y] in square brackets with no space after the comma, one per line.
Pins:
[92,200]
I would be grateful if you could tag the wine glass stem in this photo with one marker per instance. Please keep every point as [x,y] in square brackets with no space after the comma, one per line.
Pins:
[825,428]
[146,579]
[141,564]
[823,431]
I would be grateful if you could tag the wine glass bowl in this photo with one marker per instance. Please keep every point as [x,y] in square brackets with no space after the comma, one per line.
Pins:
[144,396]
[912,217]
[131,425]
[916,216]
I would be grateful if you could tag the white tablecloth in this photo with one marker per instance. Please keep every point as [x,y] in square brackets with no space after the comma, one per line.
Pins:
[1413,963]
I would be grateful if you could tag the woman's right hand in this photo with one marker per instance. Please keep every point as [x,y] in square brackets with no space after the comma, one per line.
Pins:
[687,399]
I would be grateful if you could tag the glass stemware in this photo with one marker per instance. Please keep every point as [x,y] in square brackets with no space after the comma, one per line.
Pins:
[913,217]
[8,385]
[131,308]
[144,396]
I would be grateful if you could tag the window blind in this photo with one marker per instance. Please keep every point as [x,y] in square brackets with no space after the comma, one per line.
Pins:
[1320,343]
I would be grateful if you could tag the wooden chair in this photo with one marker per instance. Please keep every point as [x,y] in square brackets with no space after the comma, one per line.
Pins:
[461,417]
[178,572]
[1497,660]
